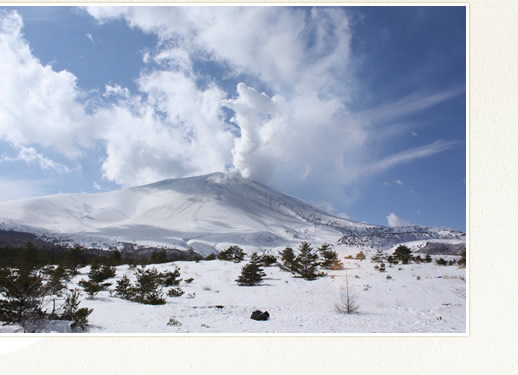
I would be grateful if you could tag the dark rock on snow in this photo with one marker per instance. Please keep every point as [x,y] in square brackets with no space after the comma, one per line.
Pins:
[259,315]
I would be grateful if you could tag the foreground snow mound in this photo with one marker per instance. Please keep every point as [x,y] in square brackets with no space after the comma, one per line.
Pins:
[205,212]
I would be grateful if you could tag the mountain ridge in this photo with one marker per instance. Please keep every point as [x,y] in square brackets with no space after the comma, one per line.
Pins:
[205,212]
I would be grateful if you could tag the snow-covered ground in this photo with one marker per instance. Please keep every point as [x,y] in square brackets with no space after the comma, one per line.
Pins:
[434,304]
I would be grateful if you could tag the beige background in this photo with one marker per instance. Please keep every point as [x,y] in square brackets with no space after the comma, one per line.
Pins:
[491,347]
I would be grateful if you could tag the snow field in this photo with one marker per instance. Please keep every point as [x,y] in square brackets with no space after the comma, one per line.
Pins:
[434,304]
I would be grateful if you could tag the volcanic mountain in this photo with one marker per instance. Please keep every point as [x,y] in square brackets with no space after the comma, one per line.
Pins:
[206,212]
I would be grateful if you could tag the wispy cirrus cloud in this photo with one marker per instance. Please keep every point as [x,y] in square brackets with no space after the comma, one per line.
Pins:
[406,156]
[31,156]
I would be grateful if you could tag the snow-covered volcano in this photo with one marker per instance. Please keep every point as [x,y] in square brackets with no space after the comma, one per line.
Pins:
[206,212]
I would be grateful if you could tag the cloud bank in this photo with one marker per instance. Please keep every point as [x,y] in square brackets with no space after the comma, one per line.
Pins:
[289,125]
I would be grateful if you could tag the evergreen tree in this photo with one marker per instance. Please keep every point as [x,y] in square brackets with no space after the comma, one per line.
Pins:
[92,287]
[331,261]
[148,287]
[75,258]
[441,262]
[22,294]
[392,260]
[307,262]
[175,292]
[124,289]
[360,256]
[78,316]
[268,260]
[115,258]
[28,258]
[211,257]
[251,274]
[255,259]
[378,257]
[170,278]
[56,284]
[428,258]
[158,257]
[232,254]
[288,260]
[99,274]
[403,253]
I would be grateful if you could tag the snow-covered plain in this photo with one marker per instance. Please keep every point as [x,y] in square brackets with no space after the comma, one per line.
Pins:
[434,304]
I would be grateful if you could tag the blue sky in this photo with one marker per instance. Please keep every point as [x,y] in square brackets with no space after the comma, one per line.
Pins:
[358,110]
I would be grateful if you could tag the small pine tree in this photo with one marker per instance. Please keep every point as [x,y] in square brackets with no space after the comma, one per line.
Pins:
[92,287]
[56,283]
[211,257]
[159,257]
[175,292]
[233,254]
[124,289]
[307,263]
[378,257]
[22,293]
[330,261]
[255,259]
[170,278]
[251,274]
[267,258]
[441,262]
[148,287]
[78,316]
[428,258]
[360,256]
[392,260]
[382,267]
[288,260]
[75,258]
[403,253]
[100,274]
[28,258]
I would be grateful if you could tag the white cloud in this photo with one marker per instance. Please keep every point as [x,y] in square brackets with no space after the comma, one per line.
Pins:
[409,155]
[303,131]
[90,37]
[269,42]
[172,126]
[398,182]
[37,104]
[31,156]
[177,130]
[394,221]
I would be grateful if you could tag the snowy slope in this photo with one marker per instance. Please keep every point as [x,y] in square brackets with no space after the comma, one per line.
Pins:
[205,212]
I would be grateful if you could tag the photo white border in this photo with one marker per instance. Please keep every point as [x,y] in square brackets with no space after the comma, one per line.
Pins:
[490,347]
